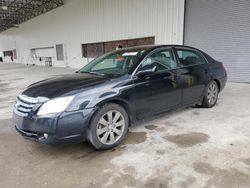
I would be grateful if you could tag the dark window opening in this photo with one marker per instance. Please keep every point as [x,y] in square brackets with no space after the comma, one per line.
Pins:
[8,53]
[93,50]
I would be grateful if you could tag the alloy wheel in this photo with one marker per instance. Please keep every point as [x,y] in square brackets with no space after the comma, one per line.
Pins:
[212,93]
[110,127]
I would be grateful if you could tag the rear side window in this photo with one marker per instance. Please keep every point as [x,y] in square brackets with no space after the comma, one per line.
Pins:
[189,57]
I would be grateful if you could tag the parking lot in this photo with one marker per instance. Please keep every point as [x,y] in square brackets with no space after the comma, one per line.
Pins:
[187,148]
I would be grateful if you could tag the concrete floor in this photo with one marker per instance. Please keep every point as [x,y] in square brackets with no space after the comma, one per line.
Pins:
[190,148]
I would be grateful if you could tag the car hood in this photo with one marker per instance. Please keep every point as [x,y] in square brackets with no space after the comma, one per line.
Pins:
[64,85]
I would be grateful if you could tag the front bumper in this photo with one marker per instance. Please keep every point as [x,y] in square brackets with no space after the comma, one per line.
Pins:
[61,128]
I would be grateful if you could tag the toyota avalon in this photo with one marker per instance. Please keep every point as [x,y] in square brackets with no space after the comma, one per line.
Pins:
[99,102]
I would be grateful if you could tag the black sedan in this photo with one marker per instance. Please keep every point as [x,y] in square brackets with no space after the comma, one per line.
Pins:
[101,100]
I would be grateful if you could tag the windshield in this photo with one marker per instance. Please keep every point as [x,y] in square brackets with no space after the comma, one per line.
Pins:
[115,63]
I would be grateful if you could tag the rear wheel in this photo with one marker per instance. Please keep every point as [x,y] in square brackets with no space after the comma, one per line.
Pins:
[211,95]
[108,126]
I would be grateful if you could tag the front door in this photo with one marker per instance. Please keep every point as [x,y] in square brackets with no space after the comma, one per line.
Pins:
[158,91]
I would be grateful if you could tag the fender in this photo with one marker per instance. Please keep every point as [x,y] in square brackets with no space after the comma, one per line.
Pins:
[122,94]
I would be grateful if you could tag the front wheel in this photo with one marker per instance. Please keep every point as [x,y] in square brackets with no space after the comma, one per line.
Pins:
[108,126]
[211,95]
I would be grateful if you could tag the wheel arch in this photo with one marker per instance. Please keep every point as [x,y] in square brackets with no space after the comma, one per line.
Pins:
[123,104]
[218,83]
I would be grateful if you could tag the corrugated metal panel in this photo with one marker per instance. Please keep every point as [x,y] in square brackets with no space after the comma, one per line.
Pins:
[221,28]
[124,19]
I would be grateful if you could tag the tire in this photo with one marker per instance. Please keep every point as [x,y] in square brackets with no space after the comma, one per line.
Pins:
[108,126]
[211,95]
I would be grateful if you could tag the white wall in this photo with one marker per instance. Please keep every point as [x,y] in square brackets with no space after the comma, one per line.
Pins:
[86,21]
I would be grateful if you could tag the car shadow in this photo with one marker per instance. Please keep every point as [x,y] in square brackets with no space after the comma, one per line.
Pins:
[85,151]
[160,115]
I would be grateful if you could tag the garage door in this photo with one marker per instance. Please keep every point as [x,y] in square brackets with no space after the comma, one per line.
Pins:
[45,52]
[222,29]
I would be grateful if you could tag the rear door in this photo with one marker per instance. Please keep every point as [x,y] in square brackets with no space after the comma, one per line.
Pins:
[194,74]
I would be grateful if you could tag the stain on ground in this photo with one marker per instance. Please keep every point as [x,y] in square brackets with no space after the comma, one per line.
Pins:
[222,178]
[170,124]
[160,182]
[135,138]
[88,155]
[130,181]
[151,127]
[203,168]
[160,152]
[188,140]
[187,182]
[161,129]
[246,161]
[196,113]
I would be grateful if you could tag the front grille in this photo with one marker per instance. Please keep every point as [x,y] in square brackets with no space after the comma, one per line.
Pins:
[25,104]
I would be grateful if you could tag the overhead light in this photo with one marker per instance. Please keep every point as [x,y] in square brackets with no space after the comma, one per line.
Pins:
[4,7]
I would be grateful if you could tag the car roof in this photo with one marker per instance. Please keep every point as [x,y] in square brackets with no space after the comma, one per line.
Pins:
[151,47]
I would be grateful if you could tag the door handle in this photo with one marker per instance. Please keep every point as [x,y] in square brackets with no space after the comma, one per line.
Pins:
[206,71]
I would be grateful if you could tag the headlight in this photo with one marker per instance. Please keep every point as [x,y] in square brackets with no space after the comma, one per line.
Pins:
[55,105]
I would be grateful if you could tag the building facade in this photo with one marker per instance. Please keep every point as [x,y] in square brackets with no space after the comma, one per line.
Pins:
[61,36]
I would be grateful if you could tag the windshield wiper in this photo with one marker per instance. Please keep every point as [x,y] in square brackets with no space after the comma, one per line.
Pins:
[96,73]
[92,72]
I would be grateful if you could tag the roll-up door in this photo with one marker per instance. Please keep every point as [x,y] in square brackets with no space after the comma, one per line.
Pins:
[222,29]
[45,52]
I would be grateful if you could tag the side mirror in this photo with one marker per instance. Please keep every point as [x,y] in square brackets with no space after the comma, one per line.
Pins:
[146,71]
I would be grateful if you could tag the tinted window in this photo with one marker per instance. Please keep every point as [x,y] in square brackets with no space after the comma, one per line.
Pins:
[189,57]
[163,60]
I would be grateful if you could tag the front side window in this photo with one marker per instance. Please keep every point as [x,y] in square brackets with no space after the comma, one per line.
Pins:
[115,63]
[162,60]
[189,57]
